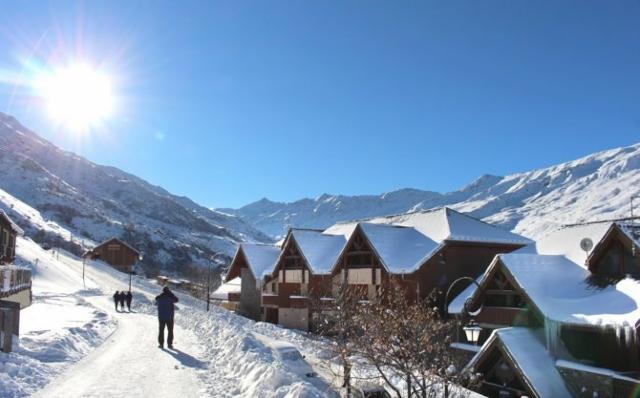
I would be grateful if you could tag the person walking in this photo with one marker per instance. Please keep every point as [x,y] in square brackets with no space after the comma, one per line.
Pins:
[123,296]
[166,308]
[129,298]
[116,299]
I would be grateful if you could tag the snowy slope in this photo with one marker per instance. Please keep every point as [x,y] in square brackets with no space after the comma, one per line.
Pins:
[594,187]
[74,344]
[93,202]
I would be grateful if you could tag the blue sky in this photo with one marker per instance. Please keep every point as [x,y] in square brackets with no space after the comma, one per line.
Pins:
[231,101]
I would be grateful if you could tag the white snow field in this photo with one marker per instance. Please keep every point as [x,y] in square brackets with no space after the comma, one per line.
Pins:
[74,344]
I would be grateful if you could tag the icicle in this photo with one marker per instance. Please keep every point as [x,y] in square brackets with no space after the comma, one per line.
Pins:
[552,334]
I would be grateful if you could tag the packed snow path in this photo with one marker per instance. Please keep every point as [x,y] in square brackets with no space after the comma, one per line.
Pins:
[129,363]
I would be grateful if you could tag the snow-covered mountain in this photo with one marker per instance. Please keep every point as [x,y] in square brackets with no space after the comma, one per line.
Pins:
[58,196]
[597,186]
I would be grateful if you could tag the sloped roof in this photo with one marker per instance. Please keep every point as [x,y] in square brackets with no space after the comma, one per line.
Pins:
[401,249]
[406,241]
[260,258]
[13,225]
[564,241]
[222,292]
[531,357]
[632,230]
[321,250]
[558,288]
[447,224]
[119,241]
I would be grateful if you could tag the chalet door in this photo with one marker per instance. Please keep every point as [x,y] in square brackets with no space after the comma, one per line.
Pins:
[271,315]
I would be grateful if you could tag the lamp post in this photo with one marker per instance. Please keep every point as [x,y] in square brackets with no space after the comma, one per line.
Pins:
[140,257]
[472,329]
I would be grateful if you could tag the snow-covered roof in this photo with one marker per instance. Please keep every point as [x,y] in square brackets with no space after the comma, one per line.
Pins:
[401,249]
[404,242]
[260,258]
[321,250]
[631,230]
[531,357]
[119,241]
[558,287]
[13,225]
[447,224]
[222,293]
[565,241]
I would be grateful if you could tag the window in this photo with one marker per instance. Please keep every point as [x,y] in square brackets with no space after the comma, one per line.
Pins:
[113,247]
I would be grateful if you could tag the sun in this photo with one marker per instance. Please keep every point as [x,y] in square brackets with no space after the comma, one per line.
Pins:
[78,96]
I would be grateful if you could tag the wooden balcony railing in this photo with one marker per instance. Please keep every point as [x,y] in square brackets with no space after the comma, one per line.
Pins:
[14,279]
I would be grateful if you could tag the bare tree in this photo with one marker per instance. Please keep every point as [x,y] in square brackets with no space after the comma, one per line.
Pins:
[407,342]
[336,319]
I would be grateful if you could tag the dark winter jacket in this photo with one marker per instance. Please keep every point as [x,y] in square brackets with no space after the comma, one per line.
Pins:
[116,297]
[165,305]
[129,297]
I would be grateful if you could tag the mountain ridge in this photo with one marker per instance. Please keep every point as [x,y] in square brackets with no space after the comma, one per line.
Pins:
[596,185]
[94,202]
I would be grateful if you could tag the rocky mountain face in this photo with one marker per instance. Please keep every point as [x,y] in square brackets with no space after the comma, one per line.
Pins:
[598,186]
[92,203]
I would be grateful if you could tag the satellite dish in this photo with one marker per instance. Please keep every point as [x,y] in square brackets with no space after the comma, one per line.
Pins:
[586,244]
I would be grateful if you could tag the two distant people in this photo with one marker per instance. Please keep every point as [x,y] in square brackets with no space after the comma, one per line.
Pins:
[122,298]
[166,308]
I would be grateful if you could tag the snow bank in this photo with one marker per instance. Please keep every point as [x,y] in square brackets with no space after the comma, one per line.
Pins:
[239,364]
[59,328]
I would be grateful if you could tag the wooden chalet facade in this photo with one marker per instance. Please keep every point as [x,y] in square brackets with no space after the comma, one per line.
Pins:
[422,262]
[15,283]
[301,278]
[585,331]
[9,232]
[419,252]
[251,264]
[117,253]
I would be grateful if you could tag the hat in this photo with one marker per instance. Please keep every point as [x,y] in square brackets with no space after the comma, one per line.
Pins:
[165,289]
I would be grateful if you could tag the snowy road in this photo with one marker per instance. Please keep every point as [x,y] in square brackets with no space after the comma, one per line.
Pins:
[129,363]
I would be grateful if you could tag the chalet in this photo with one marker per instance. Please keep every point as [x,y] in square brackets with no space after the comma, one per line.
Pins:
[117,253]
[548,328]
[301,276]
[9,232]
[15,283]
[422,251]
[250,265]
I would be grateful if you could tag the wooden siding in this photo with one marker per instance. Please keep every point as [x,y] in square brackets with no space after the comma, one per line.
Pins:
[7,242]
[455,260]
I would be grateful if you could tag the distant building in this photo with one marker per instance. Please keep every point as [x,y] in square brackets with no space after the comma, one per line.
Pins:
[116,253]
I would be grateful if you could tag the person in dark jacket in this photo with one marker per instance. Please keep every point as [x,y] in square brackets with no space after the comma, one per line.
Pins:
[123,296]
[128,298]
[116,299]
[165,303]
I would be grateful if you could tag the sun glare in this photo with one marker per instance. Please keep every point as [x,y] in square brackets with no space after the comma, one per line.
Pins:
[78,97]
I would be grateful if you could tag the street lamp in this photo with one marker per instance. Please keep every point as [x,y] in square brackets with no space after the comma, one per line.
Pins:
[472,332]
[472,329]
